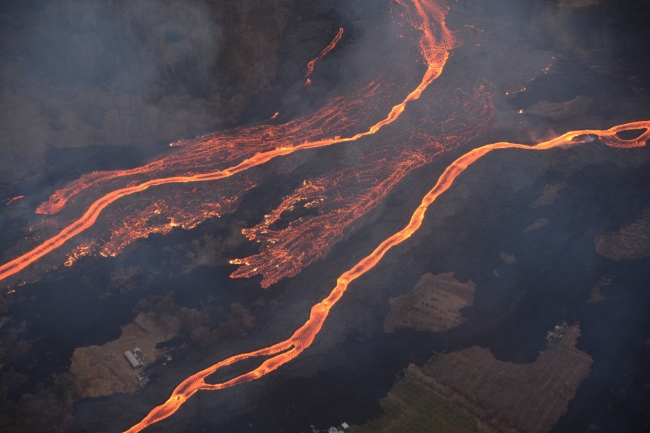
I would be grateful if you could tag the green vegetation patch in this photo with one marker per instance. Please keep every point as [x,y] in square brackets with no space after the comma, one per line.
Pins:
[412,408]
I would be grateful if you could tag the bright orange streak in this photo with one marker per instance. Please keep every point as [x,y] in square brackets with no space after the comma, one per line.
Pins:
[327,49]
[304,336]
[11,200]
[434,49]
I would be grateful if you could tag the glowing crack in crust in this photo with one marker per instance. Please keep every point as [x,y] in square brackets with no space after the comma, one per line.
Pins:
[287,350]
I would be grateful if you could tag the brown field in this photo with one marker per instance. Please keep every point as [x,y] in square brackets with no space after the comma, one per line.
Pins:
[505,396]
[541,222]
[99,371]
[630,242]
[508,258]
[411,407]
[434,304]
[596,296]
[550,193]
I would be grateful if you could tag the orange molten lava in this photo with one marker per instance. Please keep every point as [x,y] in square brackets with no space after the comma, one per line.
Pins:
[337,202]
[220,156]
[11,200]
[327,49]
[78,252]
[286,350]
[434,44]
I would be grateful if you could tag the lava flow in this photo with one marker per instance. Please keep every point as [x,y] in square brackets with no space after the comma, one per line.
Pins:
[11,200]
[287,350]
[269,141]
[221,156]
[334,205]
[327,49]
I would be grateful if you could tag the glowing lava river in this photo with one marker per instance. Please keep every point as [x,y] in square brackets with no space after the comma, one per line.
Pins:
[224,155]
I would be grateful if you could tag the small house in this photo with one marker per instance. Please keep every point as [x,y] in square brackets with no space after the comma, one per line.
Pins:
[132,359]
